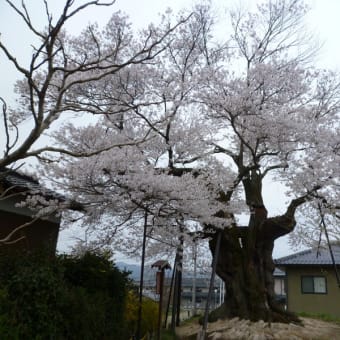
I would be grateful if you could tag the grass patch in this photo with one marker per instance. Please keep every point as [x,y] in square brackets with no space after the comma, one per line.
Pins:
[167,334]
[193,319]
[320,316]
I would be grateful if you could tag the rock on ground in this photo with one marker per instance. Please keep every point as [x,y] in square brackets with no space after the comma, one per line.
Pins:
[236,329]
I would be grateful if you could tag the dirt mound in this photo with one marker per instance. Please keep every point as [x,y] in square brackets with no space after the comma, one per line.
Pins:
[236,329]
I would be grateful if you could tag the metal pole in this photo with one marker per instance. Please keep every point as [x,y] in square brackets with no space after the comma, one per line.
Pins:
[220,295]
[178,302]
[139,322]
[170,292]
[160,305]
[194,280]
[201,335]
[174,299]
[179,283]
[330,249]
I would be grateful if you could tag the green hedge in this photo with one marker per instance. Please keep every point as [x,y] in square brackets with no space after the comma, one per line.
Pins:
[62,297]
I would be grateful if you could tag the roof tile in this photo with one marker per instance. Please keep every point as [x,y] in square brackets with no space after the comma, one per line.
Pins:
[312,256]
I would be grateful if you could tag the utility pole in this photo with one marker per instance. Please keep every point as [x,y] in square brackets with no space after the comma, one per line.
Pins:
[175,294]
[201,335]
[194,278]
[139,322]
[170,292]
[180,271]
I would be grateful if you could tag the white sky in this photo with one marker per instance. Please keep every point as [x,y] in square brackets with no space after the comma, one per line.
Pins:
[323,19]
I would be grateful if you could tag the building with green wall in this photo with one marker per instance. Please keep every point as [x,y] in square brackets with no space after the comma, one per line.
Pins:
[312,280]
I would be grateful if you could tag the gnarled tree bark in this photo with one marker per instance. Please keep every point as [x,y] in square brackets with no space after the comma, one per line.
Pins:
[246,265]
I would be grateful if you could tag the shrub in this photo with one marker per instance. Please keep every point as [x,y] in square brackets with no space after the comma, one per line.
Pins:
[61,297]
[30,288]
[149,320]
[97,296]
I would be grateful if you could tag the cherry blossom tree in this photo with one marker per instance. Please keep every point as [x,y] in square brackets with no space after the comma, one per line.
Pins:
[60,63]
[280,116]
[219,118]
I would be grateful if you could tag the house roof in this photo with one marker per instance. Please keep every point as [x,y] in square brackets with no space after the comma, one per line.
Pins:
[161,264]
[312,256]
[18,182]
[10,178]
[278,272]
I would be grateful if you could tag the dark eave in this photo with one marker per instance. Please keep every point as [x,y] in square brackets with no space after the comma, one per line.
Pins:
[17,182]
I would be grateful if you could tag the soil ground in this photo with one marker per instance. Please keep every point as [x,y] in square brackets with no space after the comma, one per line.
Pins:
[236,329]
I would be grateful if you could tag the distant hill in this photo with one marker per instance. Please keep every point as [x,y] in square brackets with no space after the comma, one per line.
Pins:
[149,273]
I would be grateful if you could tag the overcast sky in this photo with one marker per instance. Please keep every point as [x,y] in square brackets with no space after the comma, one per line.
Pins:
[323,19]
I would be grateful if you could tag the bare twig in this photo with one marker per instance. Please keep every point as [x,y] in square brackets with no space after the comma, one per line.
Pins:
[7,238]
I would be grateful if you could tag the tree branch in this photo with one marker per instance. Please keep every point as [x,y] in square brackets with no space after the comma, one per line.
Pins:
[281,225]
[7,239]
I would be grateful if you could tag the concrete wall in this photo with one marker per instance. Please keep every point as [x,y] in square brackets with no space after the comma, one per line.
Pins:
[328,303]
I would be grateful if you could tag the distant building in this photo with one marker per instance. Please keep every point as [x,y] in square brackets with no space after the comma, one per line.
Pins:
[312,283]
[202,289]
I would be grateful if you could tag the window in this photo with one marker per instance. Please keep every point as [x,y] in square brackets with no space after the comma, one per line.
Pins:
[313,285]
[279,286]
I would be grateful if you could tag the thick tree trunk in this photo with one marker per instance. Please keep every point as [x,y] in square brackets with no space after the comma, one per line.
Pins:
[246,266]
[245,262]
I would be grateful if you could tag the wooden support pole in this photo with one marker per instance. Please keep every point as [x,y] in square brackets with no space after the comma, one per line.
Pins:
[201,335]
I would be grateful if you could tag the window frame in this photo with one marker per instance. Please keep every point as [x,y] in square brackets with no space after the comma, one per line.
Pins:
[313,277]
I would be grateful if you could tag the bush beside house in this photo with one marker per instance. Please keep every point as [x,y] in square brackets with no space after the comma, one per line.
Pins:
[63,297]
[43,296]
